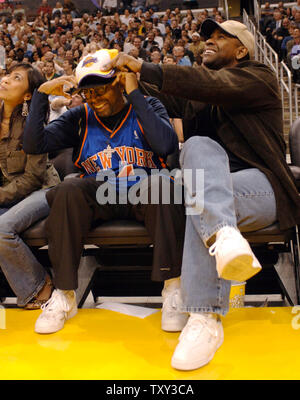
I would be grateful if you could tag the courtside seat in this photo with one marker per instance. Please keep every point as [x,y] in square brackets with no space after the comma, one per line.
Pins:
[112,233]
[128,233]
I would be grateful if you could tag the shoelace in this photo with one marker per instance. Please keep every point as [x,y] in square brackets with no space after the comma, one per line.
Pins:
[193,329]
[218,243]
[56,301]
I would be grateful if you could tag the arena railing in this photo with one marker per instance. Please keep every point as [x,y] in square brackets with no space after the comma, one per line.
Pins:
[265,54]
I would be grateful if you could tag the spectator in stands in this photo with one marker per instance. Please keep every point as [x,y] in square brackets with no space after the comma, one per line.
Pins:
[57,10]
[109,7]
[49,70]
[69,8]
[138,5]
[293,51]
[285,40]
[137,42]
[266,17]
[278,36]
[159,25]
[291,43]
[197,45]
[248,156]
[24,179]
[181,59]
[44,9]
[187,53]
[153,4]
[68,67]
[282,8]
[273,25]
[19,11]
[155,57]
[297,6]
[149,42]
[49,56]
[105,103]
[169,59]
[126,17]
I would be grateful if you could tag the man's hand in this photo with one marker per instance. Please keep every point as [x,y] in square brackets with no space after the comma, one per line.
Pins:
[124,62]
[59,86]
[127,80]
[60,102]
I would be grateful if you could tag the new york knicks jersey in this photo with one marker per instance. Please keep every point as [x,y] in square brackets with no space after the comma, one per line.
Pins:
[123,150]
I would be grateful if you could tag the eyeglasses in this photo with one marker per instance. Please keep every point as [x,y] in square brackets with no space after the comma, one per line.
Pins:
[87,94]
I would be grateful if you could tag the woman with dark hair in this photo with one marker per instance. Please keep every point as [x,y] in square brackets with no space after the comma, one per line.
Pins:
[23,180]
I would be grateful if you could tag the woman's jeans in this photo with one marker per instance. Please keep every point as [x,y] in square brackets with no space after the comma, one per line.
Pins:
[23,272]
[242,199]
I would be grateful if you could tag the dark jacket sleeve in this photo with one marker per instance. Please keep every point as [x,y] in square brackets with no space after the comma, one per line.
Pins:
[247,85]
[58,134]
[155,122]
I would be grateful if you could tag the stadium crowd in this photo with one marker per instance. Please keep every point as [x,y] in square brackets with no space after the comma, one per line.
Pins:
[281,27]
[55,41]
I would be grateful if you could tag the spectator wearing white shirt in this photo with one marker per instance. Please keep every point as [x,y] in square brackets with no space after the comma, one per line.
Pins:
[126,17]
[158,38]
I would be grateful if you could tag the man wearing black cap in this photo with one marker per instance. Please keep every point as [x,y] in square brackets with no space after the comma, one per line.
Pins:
[239,149]
[124,141]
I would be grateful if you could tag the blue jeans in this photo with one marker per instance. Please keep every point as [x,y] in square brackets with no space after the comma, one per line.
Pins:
[23,272]
[242,199]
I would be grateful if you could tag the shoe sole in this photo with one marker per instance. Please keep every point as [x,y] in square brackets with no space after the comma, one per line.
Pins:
[239,269]
[184,366]
[70,315]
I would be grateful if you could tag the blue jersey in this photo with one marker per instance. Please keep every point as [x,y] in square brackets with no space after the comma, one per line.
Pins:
[123,150]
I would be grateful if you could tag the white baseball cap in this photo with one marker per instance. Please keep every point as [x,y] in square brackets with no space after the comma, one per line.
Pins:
[233,28]
[90,73]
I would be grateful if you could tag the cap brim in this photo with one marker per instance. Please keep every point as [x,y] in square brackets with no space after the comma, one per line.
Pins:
[96,79]
[209,26]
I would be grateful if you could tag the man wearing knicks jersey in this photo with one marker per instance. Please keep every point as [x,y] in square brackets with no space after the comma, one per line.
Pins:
[109,133]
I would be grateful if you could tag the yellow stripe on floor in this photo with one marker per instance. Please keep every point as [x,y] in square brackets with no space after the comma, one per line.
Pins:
[260,343]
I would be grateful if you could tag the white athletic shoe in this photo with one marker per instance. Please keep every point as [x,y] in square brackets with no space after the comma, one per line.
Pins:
[235,260]
[59,308]
[198,342]
[172,319]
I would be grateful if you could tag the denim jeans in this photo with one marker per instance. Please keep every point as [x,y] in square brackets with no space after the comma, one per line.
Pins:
[242,199]
[23,272]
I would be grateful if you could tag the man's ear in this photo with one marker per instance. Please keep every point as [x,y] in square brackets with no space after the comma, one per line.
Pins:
[241,52]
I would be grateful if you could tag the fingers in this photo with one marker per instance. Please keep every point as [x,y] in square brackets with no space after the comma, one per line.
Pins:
[122,62]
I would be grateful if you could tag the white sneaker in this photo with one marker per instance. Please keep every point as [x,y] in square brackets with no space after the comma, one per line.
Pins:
[235,260]
[198,342]
[58,309]
[172,319]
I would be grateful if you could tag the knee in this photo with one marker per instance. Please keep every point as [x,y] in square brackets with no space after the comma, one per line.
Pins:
[199,148]
[64,191]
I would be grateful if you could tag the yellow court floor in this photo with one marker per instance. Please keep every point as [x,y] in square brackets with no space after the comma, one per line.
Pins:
[260,343]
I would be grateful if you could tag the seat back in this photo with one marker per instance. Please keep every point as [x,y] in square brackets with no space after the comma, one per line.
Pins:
[63,163]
